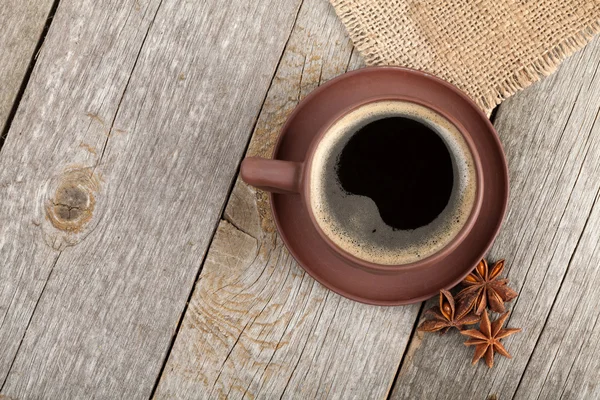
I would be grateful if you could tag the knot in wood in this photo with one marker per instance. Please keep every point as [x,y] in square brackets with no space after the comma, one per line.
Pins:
[72,205]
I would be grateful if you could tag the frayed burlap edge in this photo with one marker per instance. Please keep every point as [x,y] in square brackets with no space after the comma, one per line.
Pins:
[543,66]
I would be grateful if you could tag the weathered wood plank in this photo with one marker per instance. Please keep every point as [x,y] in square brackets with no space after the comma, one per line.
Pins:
[257,326]
[113,179]
[21,24]
[53,120]
[566,360]
[551,134]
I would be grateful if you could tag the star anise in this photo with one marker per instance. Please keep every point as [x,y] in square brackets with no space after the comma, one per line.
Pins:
[486,339]
[484,289]
[445,316]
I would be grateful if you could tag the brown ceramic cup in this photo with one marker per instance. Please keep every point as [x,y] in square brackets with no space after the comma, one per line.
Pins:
[293,178]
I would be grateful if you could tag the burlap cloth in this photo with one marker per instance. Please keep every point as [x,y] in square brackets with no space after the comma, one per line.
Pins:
[488,48]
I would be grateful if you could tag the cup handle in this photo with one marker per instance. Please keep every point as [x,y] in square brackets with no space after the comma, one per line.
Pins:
[274,176]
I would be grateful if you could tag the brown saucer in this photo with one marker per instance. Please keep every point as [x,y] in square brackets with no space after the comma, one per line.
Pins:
[406,285]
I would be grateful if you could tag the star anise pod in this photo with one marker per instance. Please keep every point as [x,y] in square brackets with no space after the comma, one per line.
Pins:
[445,316]
[486,339]
[484,289]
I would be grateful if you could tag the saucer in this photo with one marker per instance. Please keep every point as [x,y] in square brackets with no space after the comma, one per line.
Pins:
[403,285]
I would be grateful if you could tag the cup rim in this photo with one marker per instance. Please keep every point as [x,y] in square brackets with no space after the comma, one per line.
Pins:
[433,258]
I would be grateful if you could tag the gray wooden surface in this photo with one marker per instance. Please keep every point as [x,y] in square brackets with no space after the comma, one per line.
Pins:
[113,180]
[21,24]
[138,113]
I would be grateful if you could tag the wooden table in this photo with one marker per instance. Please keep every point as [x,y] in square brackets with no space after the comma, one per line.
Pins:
[133,263]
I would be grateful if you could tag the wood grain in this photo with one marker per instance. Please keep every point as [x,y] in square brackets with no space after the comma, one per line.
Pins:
[113,178]
[21,24]
[257,326]
[551,135]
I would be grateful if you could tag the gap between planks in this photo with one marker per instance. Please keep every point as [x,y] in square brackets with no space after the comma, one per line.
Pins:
[25,81]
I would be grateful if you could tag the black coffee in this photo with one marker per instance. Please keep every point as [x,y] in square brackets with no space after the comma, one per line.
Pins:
[403,165]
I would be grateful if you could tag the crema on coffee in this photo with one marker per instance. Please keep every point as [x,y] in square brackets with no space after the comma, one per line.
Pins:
[392,182]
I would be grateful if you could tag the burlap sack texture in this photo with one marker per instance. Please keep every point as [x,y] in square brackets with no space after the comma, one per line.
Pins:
[488,48]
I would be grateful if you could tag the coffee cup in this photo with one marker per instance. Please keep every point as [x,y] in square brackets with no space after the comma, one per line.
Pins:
[390,183]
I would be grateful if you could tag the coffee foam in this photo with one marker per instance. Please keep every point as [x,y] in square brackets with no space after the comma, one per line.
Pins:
[353,222]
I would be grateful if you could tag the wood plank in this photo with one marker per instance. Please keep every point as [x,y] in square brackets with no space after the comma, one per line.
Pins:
[113,179]
[21,24]
[551,134]
[566,360]
[257,326]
